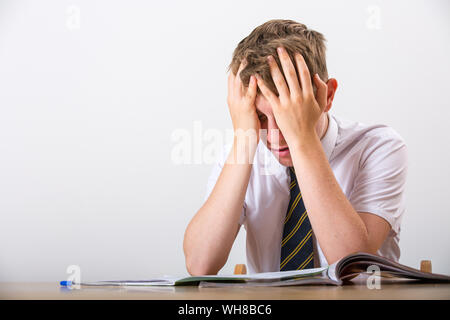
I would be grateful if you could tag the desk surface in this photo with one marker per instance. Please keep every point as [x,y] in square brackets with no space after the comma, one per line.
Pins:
[358,290]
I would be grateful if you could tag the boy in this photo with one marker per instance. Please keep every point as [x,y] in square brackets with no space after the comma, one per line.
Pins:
[335,188]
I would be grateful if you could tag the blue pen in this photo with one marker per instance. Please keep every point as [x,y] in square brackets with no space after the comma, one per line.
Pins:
[65,283]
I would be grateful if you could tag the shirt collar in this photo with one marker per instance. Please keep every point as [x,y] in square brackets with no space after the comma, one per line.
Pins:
[329,139]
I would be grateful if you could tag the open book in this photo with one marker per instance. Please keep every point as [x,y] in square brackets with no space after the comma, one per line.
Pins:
[335,274]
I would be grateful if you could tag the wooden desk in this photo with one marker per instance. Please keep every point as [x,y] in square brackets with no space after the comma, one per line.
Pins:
[389,291]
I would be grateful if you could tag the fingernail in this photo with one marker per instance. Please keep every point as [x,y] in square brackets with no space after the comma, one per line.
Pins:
[280,50]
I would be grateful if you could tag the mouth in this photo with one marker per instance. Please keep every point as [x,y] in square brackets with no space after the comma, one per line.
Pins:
[282,152]
[280,149]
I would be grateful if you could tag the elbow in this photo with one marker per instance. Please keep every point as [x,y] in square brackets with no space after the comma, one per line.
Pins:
[371,248]
[368,245]
[199,265]
[201,260]
[199,268]
[363,245]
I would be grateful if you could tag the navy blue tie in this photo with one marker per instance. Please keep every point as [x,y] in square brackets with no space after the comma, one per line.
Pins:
[297,245]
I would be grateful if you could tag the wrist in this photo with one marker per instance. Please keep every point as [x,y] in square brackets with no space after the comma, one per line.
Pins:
[305,141]
[243,150]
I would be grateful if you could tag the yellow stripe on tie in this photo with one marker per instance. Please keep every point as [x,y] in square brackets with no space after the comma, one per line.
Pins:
[296,250]
[306,261]
[294,204]
[299,223]
[292,185]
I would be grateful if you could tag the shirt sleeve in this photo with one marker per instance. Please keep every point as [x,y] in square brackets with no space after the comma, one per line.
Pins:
[380,182]
[214,175]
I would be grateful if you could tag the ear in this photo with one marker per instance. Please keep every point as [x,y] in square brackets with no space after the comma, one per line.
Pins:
[331,90]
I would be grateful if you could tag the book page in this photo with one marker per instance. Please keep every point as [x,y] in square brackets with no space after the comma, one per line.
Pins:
[173,281]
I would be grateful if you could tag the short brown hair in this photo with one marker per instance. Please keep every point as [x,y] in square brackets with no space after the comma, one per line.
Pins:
[263,41]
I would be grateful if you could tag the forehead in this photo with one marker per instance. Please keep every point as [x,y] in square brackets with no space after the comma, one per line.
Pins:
[262,105]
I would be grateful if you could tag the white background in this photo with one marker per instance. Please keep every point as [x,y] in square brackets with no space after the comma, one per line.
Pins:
[87,114]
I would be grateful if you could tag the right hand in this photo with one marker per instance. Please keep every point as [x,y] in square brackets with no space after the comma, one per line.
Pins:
[241,103]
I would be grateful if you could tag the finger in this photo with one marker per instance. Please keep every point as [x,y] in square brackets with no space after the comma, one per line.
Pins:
[241,67]
[251,90]
[304,74]
[278,78]
[267,93]
[322,90]
[289,72]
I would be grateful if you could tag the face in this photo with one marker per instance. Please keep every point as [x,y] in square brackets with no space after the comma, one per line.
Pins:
[275,141]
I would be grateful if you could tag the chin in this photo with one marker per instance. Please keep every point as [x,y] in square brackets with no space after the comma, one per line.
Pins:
[287,162]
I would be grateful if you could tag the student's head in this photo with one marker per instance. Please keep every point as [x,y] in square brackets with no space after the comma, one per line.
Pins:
[264,41]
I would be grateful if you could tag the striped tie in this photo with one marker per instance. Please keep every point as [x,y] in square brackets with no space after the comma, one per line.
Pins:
[297,246]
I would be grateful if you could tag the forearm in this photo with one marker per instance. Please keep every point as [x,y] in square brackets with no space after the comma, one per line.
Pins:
[336,225]
[211,233]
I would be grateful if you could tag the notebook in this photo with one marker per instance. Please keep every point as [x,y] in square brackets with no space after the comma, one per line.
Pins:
[336,274]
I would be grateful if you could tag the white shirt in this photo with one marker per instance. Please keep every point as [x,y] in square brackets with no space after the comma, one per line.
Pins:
[369,163]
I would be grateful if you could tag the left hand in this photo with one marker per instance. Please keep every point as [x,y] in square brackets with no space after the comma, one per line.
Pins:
[296,109]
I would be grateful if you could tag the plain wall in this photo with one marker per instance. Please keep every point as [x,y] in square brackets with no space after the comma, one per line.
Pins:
[88,107]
